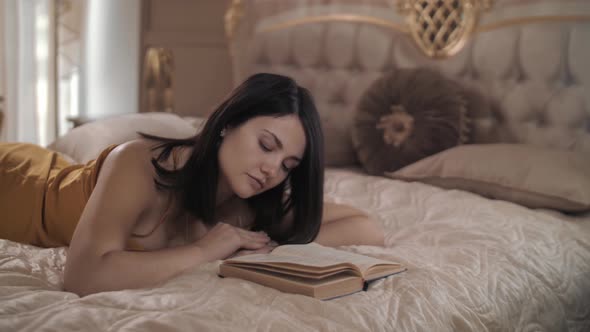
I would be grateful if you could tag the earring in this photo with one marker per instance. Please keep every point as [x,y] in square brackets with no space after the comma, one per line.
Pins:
[222,133]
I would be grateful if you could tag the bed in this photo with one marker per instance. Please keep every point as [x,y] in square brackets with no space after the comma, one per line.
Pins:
[474,263]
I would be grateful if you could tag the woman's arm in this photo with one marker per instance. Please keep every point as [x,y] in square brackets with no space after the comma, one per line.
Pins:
[97,260]
[345,225]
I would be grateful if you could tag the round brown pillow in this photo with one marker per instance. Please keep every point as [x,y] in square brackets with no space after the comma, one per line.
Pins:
[406,115]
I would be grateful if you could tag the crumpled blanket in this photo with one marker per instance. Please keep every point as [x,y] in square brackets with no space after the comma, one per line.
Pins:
[474,264]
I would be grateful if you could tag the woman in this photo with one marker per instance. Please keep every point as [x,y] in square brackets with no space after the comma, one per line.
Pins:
[154,207]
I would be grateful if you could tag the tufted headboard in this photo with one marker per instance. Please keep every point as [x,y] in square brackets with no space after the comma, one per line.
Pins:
[531,58]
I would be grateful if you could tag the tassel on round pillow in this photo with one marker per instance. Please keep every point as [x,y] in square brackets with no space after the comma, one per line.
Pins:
[407,115]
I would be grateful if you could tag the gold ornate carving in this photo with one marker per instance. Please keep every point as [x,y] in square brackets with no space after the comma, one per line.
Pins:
[532,20]
[158,74]
[232,17]
[337,18]
[441,27]
[402,28]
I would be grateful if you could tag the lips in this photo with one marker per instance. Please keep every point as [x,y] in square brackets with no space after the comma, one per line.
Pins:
[257,183]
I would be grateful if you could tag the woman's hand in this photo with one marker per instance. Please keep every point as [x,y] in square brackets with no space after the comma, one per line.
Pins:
[223,240]
[264,250]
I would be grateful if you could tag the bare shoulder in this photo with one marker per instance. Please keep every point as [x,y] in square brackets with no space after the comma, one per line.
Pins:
[139,149]
[134,153]
[123,194]
[130,164]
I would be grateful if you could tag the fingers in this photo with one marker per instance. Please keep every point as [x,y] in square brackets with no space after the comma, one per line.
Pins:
[253,245]
[254,240]
[254,236]
[247,239]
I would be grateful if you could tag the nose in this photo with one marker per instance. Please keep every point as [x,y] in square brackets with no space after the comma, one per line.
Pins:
[270,168]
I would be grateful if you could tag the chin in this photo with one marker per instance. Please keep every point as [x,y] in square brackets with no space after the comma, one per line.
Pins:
[245,192]
[243,195]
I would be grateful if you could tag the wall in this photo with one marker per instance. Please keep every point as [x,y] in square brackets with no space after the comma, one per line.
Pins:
[110,58]
[194,32]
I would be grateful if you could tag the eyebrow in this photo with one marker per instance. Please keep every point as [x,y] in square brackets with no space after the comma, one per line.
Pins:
[280,144]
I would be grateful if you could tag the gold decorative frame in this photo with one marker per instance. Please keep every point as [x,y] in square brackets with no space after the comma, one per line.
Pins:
[441,28]
[232,18]
[338,18]
[531,20]
[469,16]
[158,72]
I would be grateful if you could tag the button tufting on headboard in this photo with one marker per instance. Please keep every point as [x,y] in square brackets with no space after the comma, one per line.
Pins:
[530,58]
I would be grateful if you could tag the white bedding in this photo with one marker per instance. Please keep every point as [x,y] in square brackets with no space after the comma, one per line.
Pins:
[474,264]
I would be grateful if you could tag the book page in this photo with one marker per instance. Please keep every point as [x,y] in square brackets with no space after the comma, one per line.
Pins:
[316,253]
[316,261]
[291,270]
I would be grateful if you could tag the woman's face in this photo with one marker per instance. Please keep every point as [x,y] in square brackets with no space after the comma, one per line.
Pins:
[260,153]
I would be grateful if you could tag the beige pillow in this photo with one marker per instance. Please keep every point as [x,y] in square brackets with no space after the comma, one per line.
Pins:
[85,143]
[196,121]
[523,174]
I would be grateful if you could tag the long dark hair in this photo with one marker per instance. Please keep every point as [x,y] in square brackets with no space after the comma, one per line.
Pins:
[301,193]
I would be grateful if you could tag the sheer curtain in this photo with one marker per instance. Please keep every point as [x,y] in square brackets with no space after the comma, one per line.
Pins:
[30,70]
[70,19]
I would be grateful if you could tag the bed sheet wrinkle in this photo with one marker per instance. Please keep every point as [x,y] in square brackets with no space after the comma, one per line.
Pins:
[473,264]
[29,303]
[136,319]
[163,324]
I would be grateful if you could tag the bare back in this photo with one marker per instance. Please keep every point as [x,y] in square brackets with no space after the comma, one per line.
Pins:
[156,212]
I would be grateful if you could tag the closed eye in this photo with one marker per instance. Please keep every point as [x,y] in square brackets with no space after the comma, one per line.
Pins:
[269,148]
[290,166]
[264,147]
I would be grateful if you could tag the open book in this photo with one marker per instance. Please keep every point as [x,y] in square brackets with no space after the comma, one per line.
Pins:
[310,269]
